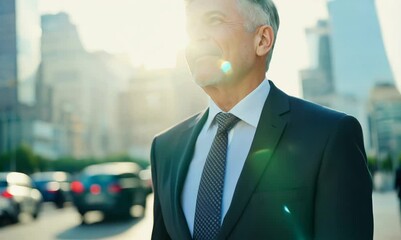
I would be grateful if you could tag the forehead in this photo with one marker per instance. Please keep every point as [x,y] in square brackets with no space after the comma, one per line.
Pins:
[195,8]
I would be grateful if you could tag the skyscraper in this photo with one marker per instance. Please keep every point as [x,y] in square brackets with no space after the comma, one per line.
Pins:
[359,57]
[19,52]
[19,61]
[84,90]
[317,80]
[385,121]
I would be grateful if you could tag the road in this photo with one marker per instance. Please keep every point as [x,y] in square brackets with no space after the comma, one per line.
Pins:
[387,218]
[66,224]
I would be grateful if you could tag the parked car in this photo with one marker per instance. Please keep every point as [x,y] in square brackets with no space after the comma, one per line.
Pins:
[112,188]
[54,186]
[146,176]
[8,210]
[18,196]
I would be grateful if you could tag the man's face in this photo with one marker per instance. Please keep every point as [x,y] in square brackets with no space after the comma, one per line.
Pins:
[220,49]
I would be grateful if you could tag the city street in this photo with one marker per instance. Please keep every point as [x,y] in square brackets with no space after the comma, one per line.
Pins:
[387,218]
[65,224]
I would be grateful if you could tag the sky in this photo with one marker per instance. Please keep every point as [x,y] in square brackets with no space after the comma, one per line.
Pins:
[152,32]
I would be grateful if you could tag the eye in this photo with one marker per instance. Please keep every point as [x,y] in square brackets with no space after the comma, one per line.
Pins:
[214,20]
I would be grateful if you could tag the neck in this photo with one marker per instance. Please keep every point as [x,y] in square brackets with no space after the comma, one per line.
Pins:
[227,95]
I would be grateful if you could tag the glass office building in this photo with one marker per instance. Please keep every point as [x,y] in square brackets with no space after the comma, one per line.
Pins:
[20,34]
[359,58]
[317,80]
[385,121]
[19,52]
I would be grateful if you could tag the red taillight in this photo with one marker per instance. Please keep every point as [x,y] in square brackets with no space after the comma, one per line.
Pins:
[77,187]
[114,188]
[95,189]
[6,194]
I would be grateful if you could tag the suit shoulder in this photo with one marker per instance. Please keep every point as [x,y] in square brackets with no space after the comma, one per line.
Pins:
[316,111]
[322,118]
[179,127]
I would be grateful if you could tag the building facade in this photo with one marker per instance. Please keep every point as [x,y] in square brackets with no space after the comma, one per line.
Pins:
[20,34]
[317,80]
[359,57]
[154,101]
[352,60]
[385,121]
[83,88]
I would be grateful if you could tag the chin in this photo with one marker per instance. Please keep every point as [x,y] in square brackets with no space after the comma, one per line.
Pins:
[207,74]
[206,82]
[209,80]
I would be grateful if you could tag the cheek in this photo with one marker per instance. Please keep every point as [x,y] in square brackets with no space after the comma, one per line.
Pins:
[237,46]
[248,53]
[242,55]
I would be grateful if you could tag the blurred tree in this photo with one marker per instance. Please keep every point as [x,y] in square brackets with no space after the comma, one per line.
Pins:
[399,161]
[72,165]
[372,164]
[387,164]
[5,162]
[43,163]
[25,160]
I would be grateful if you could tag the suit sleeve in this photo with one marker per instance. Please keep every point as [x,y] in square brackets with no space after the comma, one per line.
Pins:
[397,183]
[343,207]
[159,231]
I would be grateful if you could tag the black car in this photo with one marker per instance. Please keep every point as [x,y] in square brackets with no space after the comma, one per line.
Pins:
[18,195]
[112,188]
[8,210]
[54,186]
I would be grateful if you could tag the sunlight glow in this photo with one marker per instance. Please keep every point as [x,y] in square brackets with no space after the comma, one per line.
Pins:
[151,32]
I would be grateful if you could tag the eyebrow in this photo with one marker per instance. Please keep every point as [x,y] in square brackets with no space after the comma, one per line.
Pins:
[214,13]
[206,15]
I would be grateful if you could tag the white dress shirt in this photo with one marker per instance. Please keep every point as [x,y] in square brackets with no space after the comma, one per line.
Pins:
[240,139]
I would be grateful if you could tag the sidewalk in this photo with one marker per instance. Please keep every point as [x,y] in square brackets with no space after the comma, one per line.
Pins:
[386,216]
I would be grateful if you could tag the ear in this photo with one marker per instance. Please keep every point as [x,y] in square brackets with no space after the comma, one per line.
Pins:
[264,40]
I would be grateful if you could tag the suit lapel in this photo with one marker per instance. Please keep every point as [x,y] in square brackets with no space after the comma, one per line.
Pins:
[271,125]
[183,165]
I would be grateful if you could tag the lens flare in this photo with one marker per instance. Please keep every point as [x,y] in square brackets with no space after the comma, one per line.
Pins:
[226,67]
[287,210]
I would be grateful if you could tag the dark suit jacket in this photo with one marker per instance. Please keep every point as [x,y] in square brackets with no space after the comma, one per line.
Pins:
[397,183]
[305,177]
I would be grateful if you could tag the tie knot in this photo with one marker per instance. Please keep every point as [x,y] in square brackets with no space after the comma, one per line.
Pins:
[226,121]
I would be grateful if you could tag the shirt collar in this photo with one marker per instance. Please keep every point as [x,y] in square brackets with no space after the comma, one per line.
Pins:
[248,109]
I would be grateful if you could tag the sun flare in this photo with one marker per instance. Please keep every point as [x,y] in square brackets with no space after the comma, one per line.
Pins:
[151,32]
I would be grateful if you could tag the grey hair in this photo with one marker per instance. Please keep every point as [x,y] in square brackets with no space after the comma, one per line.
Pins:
[258,13]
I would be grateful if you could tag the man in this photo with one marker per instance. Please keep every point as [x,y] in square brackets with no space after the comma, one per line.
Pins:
[257,164]
[397,184]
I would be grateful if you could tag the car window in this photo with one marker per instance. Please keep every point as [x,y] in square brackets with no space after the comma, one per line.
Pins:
[3,183]
[128,180]
[101,179]
[127,175]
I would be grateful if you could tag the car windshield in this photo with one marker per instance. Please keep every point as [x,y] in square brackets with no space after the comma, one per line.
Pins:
[41,183]
[50,176]
[99,179]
